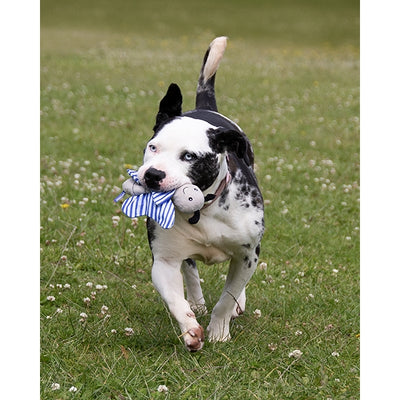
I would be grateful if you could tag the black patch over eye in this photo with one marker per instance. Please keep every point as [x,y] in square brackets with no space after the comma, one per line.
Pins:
[204,170]
[187,156]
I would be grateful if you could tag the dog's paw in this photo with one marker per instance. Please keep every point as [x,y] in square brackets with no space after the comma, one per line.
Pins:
[199,309]
[218,332]
[194,338]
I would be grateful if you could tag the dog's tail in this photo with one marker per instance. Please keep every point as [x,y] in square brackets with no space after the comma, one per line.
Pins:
[205,95]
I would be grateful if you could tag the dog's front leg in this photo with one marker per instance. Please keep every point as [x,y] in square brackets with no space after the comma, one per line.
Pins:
[194,294]
[168,281]
[233,298]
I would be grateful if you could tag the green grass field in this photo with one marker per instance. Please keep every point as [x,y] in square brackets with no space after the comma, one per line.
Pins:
[290,78]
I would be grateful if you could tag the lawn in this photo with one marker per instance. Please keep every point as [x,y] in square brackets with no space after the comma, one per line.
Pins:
[290,78]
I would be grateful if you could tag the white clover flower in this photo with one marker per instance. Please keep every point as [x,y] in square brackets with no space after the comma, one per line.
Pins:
[129,331]
[162,389]
[51,298]
[257,313]
[298,333]
[114,331]
[263,266]
[335,354]
[72,389]
[272,346]
[67,286]
[83,315]
[59,310]
[295,354]
[89,284]
[104,309]
[55,386]
[86,300]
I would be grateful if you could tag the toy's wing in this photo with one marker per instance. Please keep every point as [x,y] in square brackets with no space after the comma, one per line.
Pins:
[162,210]
[136,206]
[132,173]
[163,214]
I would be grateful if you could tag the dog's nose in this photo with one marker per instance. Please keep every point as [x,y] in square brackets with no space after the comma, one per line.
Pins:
[153,177]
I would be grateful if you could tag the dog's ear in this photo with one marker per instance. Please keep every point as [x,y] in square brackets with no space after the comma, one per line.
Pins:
[170,105]
[222,139]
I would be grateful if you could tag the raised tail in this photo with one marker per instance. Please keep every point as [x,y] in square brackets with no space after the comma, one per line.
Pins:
[205,95]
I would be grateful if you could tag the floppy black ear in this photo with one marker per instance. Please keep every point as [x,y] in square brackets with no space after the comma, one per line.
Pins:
[222,139]
[170,105]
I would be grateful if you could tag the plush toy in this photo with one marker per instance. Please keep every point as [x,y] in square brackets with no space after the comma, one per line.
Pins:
[160,206]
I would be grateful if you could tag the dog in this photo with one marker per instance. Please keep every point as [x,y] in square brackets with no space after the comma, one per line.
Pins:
[206,149]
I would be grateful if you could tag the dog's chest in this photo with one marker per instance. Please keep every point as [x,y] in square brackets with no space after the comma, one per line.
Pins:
[230,224]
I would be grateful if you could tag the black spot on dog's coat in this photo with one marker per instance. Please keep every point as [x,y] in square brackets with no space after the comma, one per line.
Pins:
[151,227]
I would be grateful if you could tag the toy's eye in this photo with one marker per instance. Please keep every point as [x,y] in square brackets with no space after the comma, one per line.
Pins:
[188,157]
[152,148]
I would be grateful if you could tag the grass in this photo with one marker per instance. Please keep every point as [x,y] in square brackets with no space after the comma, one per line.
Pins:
[290,78]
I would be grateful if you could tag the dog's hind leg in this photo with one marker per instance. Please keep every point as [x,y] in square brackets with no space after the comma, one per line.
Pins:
[194,294]
[168,281]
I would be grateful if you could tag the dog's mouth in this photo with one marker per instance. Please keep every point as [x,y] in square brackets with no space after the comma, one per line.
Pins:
[156,180]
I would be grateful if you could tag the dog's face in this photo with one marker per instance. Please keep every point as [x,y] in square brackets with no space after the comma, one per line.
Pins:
[185,150]
[180,153]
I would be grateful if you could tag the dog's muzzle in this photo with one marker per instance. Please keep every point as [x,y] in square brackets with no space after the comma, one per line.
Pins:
[153,177]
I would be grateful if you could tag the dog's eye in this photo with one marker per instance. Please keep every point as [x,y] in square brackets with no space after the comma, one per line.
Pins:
[188,156]
[152,148]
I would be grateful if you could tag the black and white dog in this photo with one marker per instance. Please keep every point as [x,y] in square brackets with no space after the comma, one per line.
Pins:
[206,149]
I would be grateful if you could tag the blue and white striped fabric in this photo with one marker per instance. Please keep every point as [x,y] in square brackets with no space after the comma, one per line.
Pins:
[156,205]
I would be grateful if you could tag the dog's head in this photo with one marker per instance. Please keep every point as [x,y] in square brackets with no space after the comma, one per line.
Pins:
[184,149]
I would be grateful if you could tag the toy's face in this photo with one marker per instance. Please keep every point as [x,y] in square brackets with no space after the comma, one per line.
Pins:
[188,198]
[178,154]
